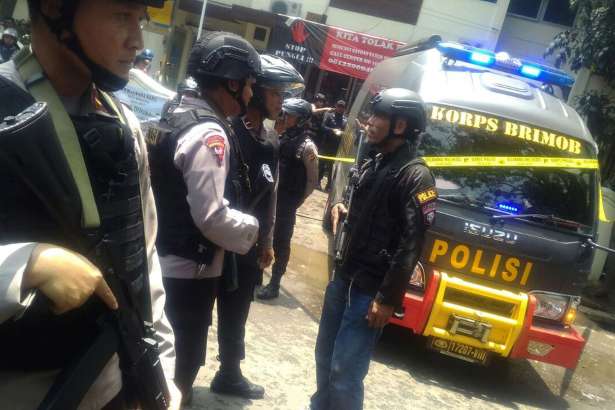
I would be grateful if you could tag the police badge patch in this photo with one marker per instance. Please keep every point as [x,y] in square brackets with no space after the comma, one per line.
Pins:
[429,213]
[216,144]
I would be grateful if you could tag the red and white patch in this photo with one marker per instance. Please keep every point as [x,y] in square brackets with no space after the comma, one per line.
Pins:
[429,213]
[216,143]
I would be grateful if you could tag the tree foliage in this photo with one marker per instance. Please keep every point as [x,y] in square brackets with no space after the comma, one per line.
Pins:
[590,44]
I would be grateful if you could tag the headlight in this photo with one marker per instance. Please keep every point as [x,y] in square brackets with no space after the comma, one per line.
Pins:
[417,280]
[556,307]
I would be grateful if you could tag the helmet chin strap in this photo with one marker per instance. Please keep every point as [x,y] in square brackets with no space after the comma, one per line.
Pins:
[237,96]
[103,78]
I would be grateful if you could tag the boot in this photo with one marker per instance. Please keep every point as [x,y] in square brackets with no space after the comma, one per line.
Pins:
[237,385]
[272,290]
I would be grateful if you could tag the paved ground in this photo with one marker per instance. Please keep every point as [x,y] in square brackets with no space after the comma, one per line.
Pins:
[403,375]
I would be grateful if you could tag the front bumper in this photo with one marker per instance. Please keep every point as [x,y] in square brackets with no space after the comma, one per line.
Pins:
[507,316]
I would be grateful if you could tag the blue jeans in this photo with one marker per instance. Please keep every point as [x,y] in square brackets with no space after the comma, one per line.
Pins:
[343,348]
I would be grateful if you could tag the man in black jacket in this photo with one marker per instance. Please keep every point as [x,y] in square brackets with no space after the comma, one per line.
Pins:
[392,205]
[333,126]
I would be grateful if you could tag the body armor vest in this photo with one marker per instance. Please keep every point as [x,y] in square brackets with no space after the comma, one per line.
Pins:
[293,175]
[177,233]
[261,158]
[375,228]
[40,339]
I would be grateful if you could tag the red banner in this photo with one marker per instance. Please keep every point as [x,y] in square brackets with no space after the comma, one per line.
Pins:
[355,54]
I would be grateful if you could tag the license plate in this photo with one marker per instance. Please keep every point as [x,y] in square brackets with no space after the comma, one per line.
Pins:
[459,350]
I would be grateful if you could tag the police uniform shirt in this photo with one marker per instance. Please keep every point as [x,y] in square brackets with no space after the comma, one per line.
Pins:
[26,390]
[202,156]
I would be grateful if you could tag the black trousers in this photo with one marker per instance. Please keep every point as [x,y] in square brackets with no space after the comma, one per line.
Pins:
[233,311]
[189,307]
[286,217]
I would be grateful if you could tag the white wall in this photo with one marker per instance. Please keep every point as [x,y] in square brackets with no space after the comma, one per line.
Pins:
[473,21]
[526,38]
[21,10]
[364,23]
[313,6]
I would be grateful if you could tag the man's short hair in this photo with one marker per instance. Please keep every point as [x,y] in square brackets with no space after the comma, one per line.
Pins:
[210,83]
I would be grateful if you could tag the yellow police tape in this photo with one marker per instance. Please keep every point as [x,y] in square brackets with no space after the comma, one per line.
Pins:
[337,159]
[477,161]
[539,162]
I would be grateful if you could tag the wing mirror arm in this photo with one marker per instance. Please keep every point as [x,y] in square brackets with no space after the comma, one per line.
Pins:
[594,245]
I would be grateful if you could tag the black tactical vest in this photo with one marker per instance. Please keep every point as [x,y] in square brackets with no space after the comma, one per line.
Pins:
[260,156]
[41,340]
[177,233]
[293,175]
[373,217]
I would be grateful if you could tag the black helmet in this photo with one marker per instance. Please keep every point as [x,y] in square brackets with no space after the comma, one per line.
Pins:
[401,103]
[223,55]
[276,74]
[146,54]
[299,108]
[320,97]
[188,87]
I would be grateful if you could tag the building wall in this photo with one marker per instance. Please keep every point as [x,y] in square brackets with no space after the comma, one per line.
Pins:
[525,38]
[475,22]
[21,10]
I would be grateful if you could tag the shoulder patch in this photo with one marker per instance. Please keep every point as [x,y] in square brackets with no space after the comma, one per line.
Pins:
[216,143]
[426,195]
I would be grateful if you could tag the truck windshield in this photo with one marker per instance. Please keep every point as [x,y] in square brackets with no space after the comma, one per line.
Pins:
[510,166]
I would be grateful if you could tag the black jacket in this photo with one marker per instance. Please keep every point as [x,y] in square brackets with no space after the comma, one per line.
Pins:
[393,206]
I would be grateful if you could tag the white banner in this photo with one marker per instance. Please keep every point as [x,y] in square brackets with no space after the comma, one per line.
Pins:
[145,96]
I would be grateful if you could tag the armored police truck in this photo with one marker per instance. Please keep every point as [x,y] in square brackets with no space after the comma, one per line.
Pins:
[518,203]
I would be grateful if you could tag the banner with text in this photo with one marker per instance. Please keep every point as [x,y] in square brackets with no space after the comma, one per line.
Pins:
[330,48]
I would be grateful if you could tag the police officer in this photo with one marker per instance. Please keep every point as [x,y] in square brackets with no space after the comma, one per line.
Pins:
[298,178]
[392,206]
[191,158]
[333,125]
[143,60]
[52,290]
[8,44]
[259,147]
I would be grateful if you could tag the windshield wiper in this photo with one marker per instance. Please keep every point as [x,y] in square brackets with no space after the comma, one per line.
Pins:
[462,199]
[545,217]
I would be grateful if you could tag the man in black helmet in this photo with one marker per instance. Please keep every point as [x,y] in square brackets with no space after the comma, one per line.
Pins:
[196,167]
[333,126]
[298,178]
[58,278]
[259,146]
[392,206]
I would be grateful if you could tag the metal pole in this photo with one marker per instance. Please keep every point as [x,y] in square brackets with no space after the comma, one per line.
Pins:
[198,35]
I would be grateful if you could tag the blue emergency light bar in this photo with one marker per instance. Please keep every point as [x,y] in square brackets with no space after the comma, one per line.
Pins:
[503,62]
[509,207]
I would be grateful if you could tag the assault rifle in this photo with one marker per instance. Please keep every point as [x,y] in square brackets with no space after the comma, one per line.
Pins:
[342,235]
[31,150]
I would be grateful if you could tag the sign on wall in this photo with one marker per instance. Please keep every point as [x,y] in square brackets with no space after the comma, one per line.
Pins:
[330,48]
